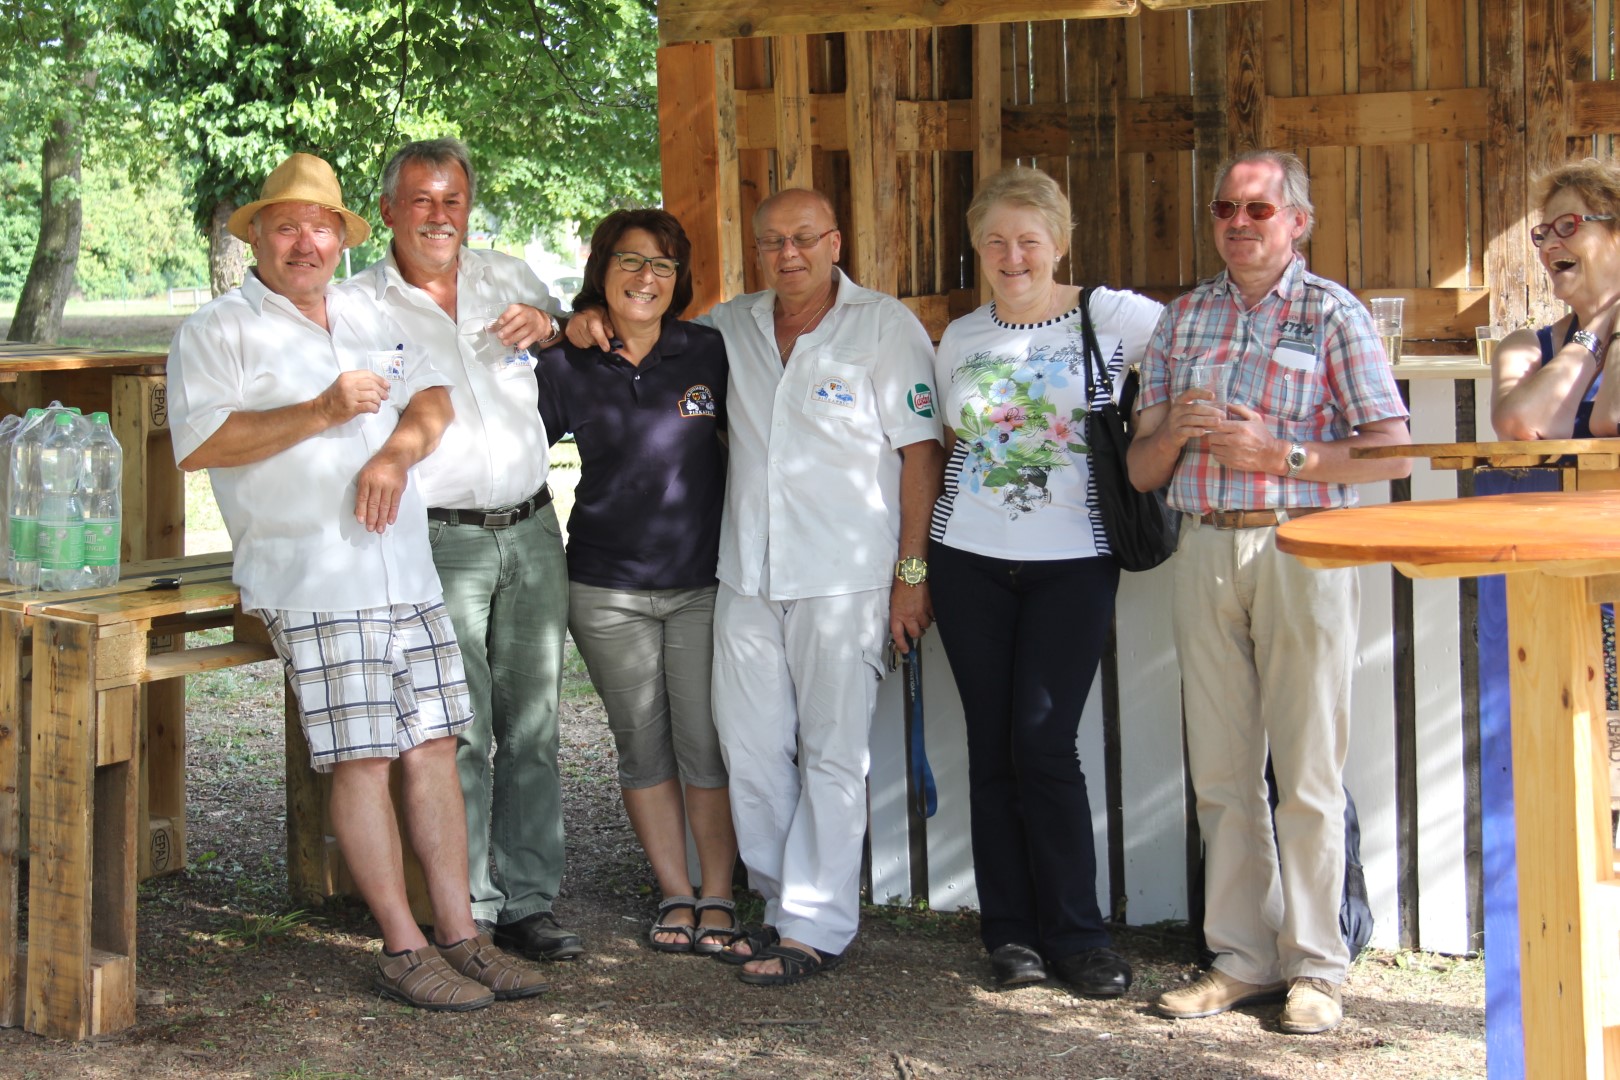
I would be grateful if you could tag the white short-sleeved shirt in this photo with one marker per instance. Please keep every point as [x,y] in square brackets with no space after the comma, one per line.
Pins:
[1019,482]
[291,516]
[495,452]
[814,481]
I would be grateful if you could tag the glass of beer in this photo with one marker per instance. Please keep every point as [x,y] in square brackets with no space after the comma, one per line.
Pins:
[1487,337]
[1386,316]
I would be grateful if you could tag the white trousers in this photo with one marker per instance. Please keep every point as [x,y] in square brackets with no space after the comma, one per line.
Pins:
[1267,647]
[795,683]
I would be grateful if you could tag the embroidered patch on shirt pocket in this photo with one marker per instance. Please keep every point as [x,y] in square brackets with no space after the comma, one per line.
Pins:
[837,390]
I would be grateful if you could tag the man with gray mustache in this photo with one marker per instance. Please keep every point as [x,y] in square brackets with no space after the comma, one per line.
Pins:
[495,536]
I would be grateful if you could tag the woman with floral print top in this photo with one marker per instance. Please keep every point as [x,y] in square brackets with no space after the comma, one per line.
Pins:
[1023,582]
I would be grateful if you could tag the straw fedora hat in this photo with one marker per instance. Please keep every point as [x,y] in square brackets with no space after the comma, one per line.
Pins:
[302,178]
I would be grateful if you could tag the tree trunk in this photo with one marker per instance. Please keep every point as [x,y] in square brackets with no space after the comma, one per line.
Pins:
[227,256]
[56,256]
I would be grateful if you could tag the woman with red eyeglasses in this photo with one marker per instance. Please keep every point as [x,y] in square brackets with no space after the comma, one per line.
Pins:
[1547,383]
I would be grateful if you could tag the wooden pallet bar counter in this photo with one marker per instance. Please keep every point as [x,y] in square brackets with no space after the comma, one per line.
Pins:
[132,388]
[91,653]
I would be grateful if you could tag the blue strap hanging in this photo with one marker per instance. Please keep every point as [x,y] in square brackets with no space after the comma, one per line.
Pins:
[922,777]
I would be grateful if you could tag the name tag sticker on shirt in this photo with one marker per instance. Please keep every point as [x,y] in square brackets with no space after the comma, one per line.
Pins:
[697,401]
[517,363]
[1295,354]
[833,391]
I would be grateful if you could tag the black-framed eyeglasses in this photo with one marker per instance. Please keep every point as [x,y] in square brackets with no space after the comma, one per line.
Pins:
[802,241]
[631,263]
[1257,211]
[1563,226]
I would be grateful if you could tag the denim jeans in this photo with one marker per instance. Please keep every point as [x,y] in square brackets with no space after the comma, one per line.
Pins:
[507,591]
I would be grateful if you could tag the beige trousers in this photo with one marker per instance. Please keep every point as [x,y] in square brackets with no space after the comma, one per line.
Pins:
[1266,647]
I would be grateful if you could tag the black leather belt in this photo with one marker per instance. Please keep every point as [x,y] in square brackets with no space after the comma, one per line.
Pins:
[495,519]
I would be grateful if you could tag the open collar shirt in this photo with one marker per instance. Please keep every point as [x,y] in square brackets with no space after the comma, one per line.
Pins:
[291,516]
[494,453]
[813,497]
[1307,359]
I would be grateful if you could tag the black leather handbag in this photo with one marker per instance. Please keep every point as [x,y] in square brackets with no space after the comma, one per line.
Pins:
[1141,527]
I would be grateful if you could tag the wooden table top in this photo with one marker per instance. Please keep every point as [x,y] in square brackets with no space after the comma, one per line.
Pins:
[19,357]
[205,580]
[1574,532]
[1590,453]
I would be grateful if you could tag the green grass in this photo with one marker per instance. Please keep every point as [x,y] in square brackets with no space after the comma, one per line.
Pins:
[90,309]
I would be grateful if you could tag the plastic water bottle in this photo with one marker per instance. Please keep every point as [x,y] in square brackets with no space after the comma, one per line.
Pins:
[22,503]
[8,432]
[61,511]
[102,492]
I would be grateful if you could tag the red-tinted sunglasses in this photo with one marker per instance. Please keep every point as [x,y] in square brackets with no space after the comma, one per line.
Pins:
[1257,211]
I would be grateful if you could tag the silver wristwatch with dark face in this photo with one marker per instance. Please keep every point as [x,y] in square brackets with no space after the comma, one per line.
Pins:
[1295,459]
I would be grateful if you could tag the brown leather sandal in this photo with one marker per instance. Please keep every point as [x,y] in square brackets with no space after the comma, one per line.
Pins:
[423,980]
[478,959]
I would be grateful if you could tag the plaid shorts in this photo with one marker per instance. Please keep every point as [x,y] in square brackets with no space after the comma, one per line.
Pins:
[372,683]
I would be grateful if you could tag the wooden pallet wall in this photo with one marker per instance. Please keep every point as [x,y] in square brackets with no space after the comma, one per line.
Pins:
[1423,122]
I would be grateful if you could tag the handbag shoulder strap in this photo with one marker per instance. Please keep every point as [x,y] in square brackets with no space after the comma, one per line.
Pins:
[1096,370]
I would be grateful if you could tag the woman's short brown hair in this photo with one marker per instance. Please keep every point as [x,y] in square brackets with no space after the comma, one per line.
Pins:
[1596,182]
[671,240]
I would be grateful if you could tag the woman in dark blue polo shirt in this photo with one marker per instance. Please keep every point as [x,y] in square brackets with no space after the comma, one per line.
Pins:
[643,539]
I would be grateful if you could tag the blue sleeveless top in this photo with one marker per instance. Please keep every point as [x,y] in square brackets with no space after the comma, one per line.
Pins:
[1583,414]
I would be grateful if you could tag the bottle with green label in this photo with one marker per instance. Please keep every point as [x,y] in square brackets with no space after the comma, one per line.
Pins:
[61,513]
[102,495]
[22,503]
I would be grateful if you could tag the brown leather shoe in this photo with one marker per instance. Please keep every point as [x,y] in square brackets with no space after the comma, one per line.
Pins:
[1313,1007]
[478,959]
[1215,993]
[423,979]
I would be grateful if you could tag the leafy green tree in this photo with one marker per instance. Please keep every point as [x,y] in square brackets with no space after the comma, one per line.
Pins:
[67,66]
[138,238]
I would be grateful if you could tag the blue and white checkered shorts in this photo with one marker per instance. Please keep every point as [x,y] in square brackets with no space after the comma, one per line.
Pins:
[372,683]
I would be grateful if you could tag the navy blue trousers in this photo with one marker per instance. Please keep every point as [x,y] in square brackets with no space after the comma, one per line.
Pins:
[1024,640]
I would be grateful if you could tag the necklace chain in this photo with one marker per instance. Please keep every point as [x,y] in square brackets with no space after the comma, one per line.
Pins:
[787,352]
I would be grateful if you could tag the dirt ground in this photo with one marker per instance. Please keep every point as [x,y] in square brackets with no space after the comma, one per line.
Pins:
[235,981]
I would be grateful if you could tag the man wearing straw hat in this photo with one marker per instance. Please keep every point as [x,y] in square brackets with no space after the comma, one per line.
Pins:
[310,411]
[493,529]
[1266,645]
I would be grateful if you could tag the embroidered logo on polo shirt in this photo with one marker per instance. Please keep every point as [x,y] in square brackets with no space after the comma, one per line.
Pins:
[833,391]
[697,401]
[921,400]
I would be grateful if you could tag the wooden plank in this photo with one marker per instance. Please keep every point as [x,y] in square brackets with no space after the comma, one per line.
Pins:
[870,92]
[987,95]
[1509,260]
[117,731]
[751,70]
[1164,223]
[1211,139]
[208,658]
[1563,846]
[1387,182]
[11,781]
[790,63]
[1544,138]
[61,868]
[1246,85]
[712,20]
[689,150]
[112,910]
[308,880]
[154,490]
[1445,258]
[1095,251]
[1593,107]
[1325,63]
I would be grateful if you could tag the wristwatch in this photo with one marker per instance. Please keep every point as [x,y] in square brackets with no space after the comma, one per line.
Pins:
[1295,459]
[911,570]
[1589,341]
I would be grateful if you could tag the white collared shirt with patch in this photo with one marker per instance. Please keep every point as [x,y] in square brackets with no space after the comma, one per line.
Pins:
[495,452]
[291,516]
[814,482]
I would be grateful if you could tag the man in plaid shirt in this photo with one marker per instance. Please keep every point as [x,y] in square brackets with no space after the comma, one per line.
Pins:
[1266,645]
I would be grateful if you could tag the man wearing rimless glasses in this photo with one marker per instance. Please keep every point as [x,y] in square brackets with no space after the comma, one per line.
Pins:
[1266,646]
